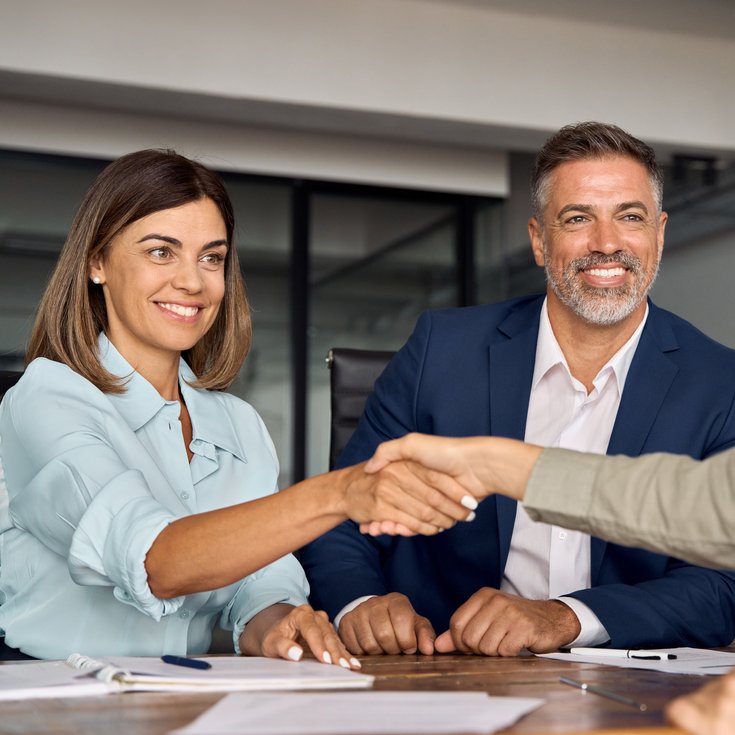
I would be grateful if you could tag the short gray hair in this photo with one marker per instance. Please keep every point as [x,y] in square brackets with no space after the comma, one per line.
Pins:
[589,140]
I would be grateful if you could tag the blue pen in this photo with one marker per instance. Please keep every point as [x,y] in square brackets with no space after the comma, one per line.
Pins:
[192,663]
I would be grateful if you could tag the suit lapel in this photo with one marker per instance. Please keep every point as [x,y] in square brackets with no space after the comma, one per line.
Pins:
[511,362]
[649,380]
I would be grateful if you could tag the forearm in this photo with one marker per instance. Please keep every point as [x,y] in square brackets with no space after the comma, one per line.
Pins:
[215,549]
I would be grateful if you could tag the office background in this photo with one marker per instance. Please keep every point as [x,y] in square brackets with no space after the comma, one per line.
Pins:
[377,151]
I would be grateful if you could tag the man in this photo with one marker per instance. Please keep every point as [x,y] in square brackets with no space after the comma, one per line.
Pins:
[591,366]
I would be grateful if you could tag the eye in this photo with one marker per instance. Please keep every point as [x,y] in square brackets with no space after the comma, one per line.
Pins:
[160,253]
[213,258]
[630,217]
[577,219]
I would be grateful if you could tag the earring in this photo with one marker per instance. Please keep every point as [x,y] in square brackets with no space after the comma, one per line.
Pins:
[96,280]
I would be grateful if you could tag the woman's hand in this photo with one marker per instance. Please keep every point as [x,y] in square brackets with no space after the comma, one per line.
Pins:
[480,465]
[284,631]
[407,496]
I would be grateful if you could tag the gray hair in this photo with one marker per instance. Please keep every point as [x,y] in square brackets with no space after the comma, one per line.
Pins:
[589,140]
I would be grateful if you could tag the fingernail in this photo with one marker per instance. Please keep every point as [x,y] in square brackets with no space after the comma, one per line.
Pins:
[355,663]
[295,653]
[469,502]
[471,516]
[343,663]
[326,657]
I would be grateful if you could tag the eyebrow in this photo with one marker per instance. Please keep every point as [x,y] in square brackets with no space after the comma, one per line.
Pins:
[588,209]
[177,243]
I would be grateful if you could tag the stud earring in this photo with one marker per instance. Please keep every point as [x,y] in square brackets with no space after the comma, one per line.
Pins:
[96,280]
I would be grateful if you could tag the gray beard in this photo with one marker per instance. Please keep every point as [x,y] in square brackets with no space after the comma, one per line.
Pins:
[601,306]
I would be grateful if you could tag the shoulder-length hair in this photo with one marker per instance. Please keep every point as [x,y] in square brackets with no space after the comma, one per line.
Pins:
[72,311]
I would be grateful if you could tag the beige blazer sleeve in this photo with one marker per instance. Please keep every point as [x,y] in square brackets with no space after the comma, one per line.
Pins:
[662,502]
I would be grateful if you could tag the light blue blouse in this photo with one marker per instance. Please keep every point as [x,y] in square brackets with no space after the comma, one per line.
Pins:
[92,480]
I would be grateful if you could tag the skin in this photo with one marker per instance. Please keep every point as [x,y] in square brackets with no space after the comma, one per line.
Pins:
[600,235]
[597,209]
[163,283]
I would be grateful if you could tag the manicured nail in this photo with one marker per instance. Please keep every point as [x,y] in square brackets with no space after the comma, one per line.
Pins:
[469,502]
[295,653]
[343,663]
[355,663]
[471,516]
[326,657]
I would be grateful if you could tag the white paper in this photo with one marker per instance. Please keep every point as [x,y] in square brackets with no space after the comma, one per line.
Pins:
[357,713]
[697,661]
[31,680]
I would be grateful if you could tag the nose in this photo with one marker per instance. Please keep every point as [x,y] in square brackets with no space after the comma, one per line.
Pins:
[186,276]
[605,238]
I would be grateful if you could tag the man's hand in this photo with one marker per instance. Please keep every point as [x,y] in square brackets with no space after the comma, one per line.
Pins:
[708,711]
[494,623]
[386,624]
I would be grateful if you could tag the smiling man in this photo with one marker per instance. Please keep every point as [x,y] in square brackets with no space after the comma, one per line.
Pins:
[591,365]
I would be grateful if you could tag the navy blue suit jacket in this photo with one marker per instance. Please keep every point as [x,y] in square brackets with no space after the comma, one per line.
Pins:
[467,372]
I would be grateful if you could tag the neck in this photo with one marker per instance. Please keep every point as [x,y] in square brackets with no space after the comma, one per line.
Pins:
[159,367]
[588,347]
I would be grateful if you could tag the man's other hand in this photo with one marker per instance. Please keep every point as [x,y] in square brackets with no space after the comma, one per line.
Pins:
[494,623]
[386,624]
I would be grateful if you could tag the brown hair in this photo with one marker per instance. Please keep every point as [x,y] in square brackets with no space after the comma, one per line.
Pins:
[587,140]
[72,311]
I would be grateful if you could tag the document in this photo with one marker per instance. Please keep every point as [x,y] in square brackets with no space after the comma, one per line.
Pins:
[697,661]
[363,713]
[109,675]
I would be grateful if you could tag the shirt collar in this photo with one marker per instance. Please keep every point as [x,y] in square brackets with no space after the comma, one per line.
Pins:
[141,402]
[549,354]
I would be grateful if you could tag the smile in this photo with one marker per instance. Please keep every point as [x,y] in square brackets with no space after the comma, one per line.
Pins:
[185,311]
[606,272]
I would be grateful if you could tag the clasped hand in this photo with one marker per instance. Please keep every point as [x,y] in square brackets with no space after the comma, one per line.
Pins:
[406,498]
[491,623]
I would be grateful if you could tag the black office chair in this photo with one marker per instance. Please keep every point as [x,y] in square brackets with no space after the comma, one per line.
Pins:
[8,378]
[352,374]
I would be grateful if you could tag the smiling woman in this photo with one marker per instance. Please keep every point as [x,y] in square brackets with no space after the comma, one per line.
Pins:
[142,497]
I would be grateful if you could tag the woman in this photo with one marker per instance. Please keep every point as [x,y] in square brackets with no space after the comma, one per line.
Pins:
[142,496]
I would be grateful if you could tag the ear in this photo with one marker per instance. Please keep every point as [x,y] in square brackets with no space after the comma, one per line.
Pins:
[537,241]
[663,218]
[96,269]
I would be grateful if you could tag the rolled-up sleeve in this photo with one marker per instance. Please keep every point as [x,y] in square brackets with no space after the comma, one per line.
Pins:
[282,581]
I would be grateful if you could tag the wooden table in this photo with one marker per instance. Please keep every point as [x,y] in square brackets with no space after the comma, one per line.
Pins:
[566,710]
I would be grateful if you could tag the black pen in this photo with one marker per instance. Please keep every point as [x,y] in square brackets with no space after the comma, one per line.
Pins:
[192,663]
[603,693]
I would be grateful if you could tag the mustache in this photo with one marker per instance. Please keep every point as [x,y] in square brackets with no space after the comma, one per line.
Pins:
[593,259]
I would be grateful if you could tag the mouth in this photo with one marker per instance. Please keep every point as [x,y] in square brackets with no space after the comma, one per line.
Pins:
[181,311]
[614,272]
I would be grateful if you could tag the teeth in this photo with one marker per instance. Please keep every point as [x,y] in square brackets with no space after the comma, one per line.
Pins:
[180,310]
[606,272]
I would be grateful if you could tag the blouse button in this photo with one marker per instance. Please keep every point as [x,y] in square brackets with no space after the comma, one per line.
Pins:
[184,614]
[184,495]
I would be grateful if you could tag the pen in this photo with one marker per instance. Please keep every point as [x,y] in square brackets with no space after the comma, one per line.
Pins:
[603,693]
[192,663]
[643,654]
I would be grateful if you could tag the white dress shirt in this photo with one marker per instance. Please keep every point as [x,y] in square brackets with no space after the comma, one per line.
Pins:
[549,561]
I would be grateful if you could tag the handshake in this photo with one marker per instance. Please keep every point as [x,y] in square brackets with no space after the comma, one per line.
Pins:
[422,484]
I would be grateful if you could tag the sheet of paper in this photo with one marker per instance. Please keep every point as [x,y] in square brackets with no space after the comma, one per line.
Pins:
[32,680]
[697,661]
[355,713]
[36,679]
